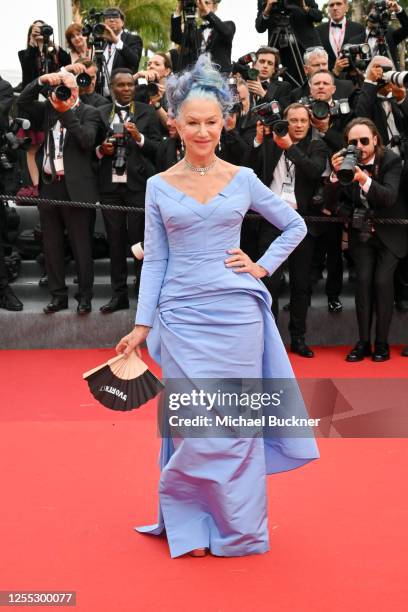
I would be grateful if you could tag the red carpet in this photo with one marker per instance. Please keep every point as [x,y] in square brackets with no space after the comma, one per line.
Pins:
[75,478]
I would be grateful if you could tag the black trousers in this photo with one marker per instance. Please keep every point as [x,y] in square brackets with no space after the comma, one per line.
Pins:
[328,250]
[375,267]
[401,280]
[54,219]
[300,261]
[122,229]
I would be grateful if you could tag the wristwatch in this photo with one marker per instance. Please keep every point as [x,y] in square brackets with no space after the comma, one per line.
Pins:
[157,105]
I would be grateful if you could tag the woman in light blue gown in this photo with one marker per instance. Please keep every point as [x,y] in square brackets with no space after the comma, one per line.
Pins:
[206,315]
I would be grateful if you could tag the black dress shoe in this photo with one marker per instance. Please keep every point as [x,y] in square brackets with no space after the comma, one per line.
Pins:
[381,352]
[334,306]
[299,347]
[84,306]
[361,350]
[401,305]
[9,301]
[56,304]
[116,303]
[404,352]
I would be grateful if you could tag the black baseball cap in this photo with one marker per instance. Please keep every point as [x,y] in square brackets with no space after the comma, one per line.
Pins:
[113,11]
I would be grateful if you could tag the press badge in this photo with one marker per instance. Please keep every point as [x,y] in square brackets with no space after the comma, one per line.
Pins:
[288,192]
[118,178]
[59,165]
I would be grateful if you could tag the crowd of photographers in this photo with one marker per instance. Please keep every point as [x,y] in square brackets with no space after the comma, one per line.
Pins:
[320,114]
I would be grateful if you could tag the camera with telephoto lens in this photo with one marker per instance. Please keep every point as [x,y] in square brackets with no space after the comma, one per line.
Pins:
[269,114]
[46,31]
[189,8]
[351,52]
[242,67]
[93,28]
[398,78]
[119,137]
[10,143]
[321,109]
[352,157]
[83,80]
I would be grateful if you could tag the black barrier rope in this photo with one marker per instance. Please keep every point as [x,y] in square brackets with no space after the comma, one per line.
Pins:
[134,209]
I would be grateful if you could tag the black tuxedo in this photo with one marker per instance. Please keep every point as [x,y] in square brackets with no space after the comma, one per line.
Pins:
[377,257]
[344,89]
[352,30]
[31,65]
[369,105]
[167,153]
[278,90]
[130,54]
[77,184]
[219,43]
[122,227]
[393,37]
[309,158]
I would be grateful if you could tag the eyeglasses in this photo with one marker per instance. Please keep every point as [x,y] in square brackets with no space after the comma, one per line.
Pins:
[364,141]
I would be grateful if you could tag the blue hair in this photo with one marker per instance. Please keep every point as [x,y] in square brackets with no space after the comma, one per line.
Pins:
[202,80]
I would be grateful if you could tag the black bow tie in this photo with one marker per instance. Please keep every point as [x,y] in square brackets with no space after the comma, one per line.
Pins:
[367,167]
[333,24]
[205,25]
[119,109]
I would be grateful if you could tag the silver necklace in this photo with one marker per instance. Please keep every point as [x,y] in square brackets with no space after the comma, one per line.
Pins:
[202,171]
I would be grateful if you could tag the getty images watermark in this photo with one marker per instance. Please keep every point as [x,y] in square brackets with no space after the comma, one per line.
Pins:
[233,408]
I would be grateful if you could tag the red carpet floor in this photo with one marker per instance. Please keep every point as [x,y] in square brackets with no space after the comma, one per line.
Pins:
[75,478]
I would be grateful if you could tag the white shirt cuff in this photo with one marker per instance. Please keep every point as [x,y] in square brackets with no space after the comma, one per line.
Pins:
[98,152]
[333,178]
[256,143]
[142,141]
[367,184]
[119,45]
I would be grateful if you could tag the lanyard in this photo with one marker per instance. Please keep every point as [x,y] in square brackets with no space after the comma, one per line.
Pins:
[61,142]
[114,112]
[289,169]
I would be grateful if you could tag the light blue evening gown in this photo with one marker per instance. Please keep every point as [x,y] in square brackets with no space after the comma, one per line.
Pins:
[210,322]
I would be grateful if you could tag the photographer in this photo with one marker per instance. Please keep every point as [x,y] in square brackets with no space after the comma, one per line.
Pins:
[267,86]
[316,59]
[65,165]
[122,49]
[377,28]
[77,43]
[6,102]
[292,166]
[127,158]
[213,36]
[330,129]
[87,93]
[300,16]
[337,32]
[385,104]
[41,56]
[159,68]
[364,186]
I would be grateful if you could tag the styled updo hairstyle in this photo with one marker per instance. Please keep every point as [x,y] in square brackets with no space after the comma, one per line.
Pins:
[203,81]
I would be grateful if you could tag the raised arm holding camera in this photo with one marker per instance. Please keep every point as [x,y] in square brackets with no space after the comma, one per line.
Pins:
[66,173]
[127,158]
[365,186]
[291,164]
[214,36]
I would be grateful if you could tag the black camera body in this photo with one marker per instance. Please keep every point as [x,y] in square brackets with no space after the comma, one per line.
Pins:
[46,31]
[352,53]
[151,88]
[247,73]
[93,29]
[362,221]
[321,109]
[352,157]
[119,137]
[233,87]
[380,16]
[10,143]
[189,8]
[269,113]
